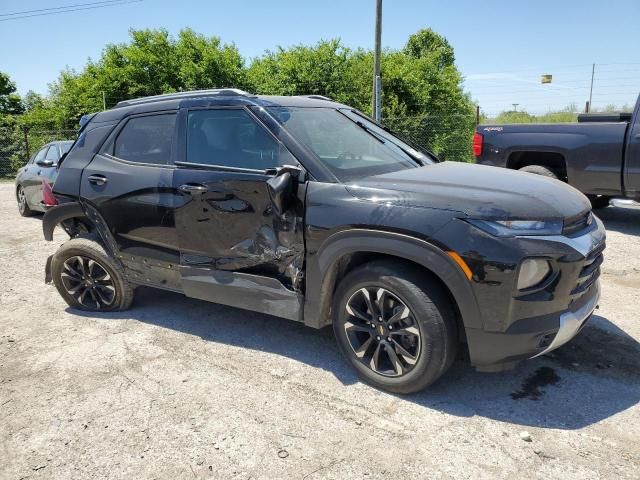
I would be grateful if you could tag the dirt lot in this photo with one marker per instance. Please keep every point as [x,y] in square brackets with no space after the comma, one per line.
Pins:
[178,388]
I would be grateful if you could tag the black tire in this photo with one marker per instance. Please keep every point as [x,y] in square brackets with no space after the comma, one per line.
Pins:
[540,170]
[88,278]
[426,357]
[598,201]
[23,205]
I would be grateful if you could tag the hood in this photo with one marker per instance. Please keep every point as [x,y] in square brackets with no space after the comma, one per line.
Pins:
[478,191]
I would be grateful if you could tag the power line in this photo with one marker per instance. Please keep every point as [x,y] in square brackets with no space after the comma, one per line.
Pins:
[57,10]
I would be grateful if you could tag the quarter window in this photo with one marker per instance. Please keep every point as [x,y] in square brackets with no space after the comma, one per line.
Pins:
[232,138]
[146,139]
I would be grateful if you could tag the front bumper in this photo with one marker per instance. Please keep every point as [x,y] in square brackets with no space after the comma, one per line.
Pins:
[530,337]
[520,326]
[571,322]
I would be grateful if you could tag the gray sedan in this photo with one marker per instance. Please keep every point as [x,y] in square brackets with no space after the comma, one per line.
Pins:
[40,169]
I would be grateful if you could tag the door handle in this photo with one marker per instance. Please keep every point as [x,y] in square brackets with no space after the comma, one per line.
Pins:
[97,179]
[192,188]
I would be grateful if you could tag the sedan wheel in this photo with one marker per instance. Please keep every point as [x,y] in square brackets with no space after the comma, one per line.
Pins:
[23,207]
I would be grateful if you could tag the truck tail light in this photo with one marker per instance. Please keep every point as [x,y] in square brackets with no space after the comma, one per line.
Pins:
[48,197]
[477,144]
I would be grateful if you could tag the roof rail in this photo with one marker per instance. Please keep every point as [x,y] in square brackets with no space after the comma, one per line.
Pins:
[317,97]
[225,92]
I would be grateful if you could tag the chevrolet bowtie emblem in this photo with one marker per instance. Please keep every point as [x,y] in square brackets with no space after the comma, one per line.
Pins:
[380,329]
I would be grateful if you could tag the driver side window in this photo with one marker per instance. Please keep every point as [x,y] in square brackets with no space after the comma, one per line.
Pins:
[230,138]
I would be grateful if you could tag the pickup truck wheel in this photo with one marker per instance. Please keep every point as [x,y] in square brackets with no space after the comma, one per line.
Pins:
[88,279]
[395,325]
[598,201]
[540,170]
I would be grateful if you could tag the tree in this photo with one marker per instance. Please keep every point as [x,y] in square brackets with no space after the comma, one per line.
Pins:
[422,88]
[11,145]
[10,102]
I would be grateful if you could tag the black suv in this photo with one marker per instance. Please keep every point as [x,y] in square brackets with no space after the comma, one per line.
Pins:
[306,209]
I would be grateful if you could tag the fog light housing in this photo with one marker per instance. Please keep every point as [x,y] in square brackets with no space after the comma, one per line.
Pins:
[532,272]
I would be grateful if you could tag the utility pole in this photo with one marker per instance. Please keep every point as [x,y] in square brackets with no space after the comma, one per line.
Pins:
[515,106]
[593,71]
[377,79]
[104,101]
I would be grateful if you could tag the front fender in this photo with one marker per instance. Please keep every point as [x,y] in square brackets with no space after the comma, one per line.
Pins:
[322,270]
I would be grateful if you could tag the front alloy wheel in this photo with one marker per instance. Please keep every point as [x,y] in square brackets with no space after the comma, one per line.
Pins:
[395,324]
[382,331]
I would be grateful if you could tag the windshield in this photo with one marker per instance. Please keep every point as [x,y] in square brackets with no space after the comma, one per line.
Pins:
[347,144]
[66,146]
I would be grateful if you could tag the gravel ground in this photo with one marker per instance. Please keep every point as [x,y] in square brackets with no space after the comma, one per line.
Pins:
[179,388]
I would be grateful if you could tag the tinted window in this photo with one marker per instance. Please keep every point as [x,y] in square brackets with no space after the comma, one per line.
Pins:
[146,139]
[52,153]
[232,138]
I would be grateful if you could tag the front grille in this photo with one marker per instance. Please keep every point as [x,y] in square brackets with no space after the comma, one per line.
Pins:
[590,272]
[577,223]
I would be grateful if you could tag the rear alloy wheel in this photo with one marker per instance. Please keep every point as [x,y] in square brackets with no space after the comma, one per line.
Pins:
[23,206]
[395,325]
[88,282]
[88,278]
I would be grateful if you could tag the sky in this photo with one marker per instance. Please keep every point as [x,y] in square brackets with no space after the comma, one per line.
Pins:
[502,47]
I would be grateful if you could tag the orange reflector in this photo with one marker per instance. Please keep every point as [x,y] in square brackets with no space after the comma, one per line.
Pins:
[462,264]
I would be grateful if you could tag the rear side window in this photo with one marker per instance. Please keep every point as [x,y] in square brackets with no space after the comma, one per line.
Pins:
[146,139]
[231,138]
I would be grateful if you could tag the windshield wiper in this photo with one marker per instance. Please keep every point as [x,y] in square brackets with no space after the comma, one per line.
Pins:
[369,131]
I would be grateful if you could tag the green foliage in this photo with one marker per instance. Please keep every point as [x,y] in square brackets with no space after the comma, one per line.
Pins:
[10,102]
[422,92]
[566,115]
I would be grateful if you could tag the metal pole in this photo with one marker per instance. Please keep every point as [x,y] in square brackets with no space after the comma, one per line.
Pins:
[477,115]
[377,80]
[593,71]
[104,101]
[25,129]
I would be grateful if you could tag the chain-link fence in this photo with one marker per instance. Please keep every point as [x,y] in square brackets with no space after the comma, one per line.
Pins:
[17,145]
[448,136]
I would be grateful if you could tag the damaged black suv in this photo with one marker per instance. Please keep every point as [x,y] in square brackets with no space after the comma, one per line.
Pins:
[306,209]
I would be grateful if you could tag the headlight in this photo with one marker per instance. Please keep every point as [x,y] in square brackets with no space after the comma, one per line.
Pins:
[532,272]
[511,228]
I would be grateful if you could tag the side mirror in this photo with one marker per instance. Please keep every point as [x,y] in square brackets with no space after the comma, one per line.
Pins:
[45,163]
[282,187]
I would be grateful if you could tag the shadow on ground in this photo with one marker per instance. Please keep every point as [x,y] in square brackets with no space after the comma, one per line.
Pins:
[595,376]
[623,220]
